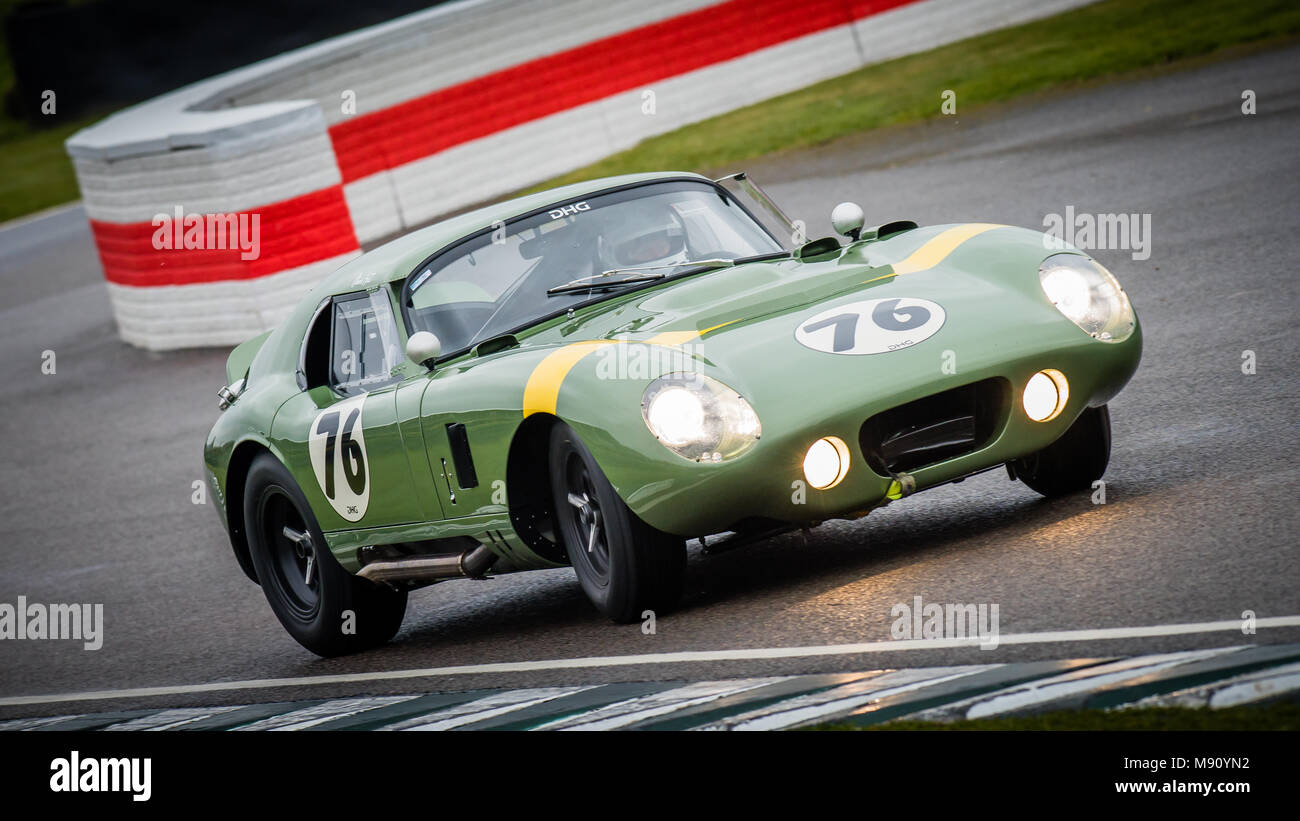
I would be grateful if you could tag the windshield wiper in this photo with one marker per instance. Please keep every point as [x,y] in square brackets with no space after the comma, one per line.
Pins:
[597,280]
[705,264]
[601,280]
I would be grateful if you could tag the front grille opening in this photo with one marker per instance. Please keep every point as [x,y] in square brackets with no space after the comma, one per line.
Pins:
[936,428]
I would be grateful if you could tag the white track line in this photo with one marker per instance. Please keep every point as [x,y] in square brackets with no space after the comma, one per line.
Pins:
[1257,687]
[683,657]
[25,724]
[633,710]
[171,719]
[482,709]
[804,715]
[321,713]
[1082,681]
[870,685]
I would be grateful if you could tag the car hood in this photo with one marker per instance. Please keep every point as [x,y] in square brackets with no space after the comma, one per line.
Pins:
[742,320]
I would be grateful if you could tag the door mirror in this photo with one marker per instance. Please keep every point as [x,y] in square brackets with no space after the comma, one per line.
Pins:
[847,219]
[423,347]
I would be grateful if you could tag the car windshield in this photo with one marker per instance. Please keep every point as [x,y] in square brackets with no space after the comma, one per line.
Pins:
[497,281]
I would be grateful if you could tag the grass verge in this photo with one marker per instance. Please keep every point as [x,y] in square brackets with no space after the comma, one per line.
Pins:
[35,171]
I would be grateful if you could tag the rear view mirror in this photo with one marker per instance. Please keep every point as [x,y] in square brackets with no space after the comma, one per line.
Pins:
[423,347]
[847,219]
[532,248]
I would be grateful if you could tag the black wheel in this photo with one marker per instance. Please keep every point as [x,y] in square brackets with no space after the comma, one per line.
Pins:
[326,609]
[625,566]
[1074,461]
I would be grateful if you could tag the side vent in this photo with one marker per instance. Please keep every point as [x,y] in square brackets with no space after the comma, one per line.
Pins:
[497,343]
[890,229]
[458,437]
[818,248]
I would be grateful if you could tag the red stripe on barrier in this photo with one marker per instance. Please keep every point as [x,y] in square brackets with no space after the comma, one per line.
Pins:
[291,233]
[434,122]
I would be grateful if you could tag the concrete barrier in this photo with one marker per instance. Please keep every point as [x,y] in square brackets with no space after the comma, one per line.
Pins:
[366,135]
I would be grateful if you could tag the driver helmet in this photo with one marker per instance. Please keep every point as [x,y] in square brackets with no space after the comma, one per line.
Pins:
[640,233]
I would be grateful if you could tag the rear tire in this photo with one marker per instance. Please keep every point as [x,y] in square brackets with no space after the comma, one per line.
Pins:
[625,566]
[1074,461]
[308,590]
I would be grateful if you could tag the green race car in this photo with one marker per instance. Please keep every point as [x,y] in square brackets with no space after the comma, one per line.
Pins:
[592,375]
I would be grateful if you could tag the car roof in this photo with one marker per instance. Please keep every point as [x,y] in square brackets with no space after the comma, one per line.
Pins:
[396,259]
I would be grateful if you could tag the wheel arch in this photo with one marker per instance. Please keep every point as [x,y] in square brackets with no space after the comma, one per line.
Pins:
[528,486]
[241,459]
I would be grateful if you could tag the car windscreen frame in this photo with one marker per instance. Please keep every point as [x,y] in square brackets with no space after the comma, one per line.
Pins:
[404,295]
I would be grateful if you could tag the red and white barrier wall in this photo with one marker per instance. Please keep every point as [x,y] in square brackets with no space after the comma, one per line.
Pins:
[362,136]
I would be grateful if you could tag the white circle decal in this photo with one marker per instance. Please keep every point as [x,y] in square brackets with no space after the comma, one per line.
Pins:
[873,326]
[337,446]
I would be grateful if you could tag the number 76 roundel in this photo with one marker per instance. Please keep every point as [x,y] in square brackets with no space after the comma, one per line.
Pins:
[872,326]
[338,456]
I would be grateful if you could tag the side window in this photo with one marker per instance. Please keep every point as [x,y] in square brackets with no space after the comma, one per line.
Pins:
[363,343]
[314,363]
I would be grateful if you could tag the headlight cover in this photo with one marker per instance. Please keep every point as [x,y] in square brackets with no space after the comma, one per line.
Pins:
[699,418]
[1088,295]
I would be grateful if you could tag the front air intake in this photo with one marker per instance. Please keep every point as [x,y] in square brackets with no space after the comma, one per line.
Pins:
[934,429]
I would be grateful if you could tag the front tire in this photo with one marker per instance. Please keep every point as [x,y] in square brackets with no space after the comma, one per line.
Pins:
[326,609]
[624,565]
[1074,461]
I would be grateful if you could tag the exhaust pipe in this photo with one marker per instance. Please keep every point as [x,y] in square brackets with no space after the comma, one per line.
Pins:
[473,564]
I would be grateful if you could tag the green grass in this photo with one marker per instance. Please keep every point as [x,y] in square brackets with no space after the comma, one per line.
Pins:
[1283,715]
[1108,39]
[1080,46]
[35,171]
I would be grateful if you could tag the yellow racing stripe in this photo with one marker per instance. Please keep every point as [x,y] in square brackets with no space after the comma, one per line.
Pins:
[671,339]
[542,391]
[937,249]
[716,327]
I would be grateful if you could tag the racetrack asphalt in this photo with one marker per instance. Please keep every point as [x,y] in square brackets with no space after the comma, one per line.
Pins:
[1199,524]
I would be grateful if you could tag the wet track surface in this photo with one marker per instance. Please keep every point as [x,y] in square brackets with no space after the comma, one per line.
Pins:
[1200,522]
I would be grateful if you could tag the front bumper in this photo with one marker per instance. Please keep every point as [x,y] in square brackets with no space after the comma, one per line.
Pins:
[691,499]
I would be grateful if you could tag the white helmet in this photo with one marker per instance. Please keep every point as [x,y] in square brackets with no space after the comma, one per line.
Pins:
[640,233]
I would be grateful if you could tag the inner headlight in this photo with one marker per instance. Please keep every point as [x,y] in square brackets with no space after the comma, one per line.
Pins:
[826,463]
[1088,295]
[699,418]
[1045,395]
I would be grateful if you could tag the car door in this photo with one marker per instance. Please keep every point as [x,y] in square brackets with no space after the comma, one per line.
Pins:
[466,453]
[343,435]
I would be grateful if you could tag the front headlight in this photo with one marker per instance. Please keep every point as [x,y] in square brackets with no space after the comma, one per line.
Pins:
[1088,295]
[699,418]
